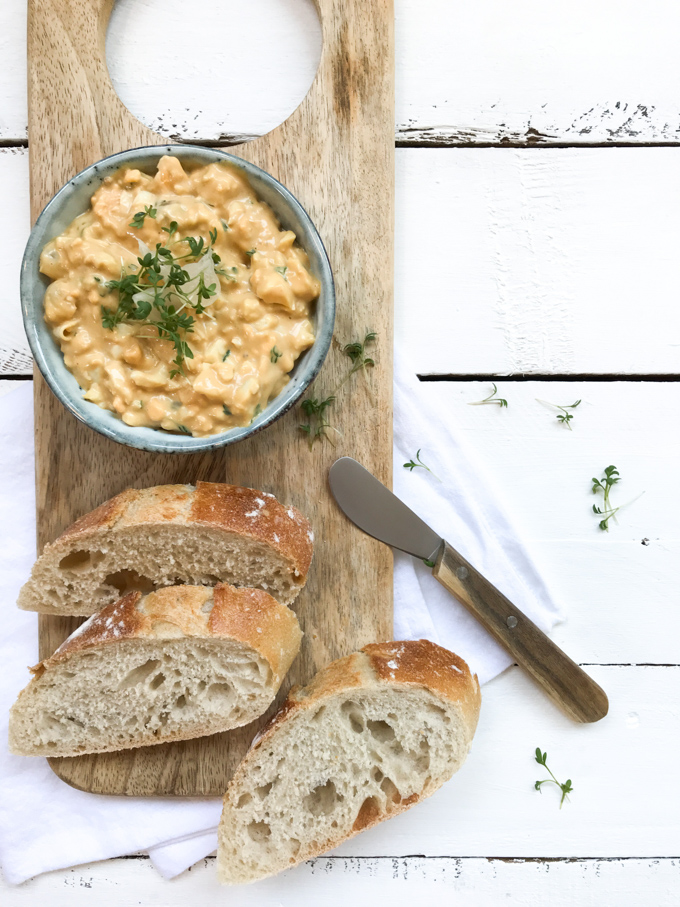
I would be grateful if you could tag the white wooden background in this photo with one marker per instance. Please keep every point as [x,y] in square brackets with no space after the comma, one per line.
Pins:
[538,239]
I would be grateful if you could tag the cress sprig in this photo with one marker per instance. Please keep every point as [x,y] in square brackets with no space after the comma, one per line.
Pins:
[318,425]
[139,218]
[605,485]
[418,464]
[566,788]
[159,287]
[491,399]
[564,416]
[316,410]
[357,353]
[610,478]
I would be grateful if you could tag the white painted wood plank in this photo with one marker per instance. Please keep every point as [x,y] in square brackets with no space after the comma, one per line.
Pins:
[528,71]
[13,112]
[477,73]
[7,386]
[620,595]
[620,598]
[619,589]
[543,471]
[553,261]
[507,261]
[491,807]
[401,882]
[14,228]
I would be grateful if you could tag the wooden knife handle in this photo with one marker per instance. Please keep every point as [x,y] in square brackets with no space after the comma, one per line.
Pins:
[563,680]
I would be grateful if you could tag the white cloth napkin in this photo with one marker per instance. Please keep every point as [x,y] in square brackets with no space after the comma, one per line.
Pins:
[45,824]
[466,509]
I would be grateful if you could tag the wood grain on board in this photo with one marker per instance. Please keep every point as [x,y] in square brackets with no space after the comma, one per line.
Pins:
[335,153]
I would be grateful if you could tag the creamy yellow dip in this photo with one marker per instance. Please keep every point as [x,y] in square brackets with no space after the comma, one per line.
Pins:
[244,343]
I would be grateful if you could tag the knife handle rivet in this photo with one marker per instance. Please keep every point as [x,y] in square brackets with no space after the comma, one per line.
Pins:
[462,572]
[511,622]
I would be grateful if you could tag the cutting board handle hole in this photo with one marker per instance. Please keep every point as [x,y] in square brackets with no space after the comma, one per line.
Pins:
[225,72]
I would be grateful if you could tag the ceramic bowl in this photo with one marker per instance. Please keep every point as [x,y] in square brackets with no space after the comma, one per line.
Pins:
[73,199]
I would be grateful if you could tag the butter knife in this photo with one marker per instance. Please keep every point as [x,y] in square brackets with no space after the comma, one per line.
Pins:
[379,513]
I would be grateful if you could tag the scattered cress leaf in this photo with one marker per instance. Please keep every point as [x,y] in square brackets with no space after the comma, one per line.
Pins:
[610,478]
[412,464]
[564,416]
[492,398]
[566,788]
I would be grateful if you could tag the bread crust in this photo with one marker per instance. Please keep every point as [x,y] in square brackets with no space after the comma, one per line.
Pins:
[232,508]
[245,512]
[248,616]
[417,662]
[423,663]
[412,663]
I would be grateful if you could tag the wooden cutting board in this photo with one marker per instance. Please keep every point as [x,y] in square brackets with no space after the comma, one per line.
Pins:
[336,154]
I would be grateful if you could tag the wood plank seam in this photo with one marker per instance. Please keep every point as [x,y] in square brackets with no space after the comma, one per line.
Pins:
[552,376]
[402,140]
[330,858]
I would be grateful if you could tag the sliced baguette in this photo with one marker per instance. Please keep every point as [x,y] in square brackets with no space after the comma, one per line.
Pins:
[182,662]
[170,534]
[372,735]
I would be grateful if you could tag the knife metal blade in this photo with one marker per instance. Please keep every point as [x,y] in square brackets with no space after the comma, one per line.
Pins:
[379,513]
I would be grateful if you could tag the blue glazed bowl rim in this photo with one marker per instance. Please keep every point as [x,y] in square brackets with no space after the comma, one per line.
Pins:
[158,440]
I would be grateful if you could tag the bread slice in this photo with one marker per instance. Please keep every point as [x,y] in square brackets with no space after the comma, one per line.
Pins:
[372,734]
[171,534]
[182,662]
